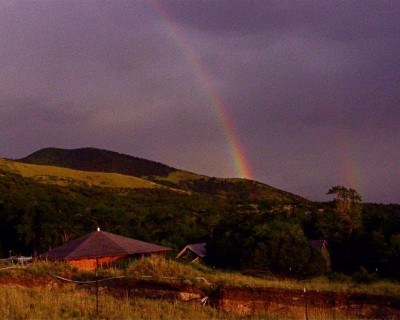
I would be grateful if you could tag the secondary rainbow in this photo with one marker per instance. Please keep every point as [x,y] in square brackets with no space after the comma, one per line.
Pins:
[350,170]
[219,109]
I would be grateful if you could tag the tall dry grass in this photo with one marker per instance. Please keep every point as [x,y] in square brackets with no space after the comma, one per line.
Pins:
[71,303]
[55,300]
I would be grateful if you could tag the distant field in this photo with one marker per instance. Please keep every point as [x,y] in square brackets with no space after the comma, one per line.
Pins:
[65,176]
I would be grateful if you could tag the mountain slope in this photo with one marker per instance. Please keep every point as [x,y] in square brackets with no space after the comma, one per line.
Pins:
[97,160]
[65,176]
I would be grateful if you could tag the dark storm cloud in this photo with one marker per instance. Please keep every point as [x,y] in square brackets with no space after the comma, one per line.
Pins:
[312,88]
[342,20]
[313,85]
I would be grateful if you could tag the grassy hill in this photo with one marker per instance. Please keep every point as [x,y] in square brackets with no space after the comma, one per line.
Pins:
[64,176]
[97,160]
[155,173]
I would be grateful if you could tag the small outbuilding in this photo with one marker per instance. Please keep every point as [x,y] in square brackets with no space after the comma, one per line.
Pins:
[322,245]
[193,252]
[99,249]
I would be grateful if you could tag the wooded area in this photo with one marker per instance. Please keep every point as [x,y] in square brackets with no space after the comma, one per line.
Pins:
[249,234]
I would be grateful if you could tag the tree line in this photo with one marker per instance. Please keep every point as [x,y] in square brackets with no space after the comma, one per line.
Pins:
[254,235]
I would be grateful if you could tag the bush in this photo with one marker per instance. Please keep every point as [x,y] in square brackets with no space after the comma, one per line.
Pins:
[363,276]
[159,267]
[45,268]
[338,277]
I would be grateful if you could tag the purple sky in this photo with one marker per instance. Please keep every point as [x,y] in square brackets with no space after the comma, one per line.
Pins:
[312,88]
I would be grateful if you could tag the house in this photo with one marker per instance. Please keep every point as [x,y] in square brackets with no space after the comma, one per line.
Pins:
[99,249]
[322,245]
[193,252]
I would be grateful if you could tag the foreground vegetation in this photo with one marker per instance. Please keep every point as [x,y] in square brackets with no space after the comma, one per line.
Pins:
[70,303]
[33,291]
[157,268]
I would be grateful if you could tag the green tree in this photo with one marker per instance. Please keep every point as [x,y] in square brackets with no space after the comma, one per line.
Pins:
[263,244]
[349,206]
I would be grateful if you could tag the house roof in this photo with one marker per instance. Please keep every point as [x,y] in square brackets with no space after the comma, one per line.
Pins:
[101,244]
[197,248]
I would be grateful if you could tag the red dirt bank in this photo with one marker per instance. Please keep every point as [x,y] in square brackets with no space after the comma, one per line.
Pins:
[297,304]
[293,304]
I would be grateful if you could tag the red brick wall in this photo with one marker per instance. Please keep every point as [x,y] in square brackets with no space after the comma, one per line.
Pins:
[90,263]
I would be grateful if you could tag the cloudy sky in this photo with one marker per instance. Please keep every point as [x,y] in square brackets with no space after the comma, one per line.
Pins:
[300,95]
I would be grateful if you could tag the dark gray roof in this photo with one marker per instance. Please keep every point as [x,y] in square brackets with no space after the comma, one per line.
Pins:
[101,244]
[198,248]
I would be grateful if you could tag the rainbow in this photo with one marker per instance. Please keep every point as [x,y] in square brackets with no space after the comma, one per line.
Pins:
[219,109]
[350,173]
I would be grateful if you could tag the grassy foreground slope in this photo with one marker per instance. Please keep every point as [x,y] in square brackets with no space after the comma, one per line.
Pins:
[70,303]
[37,285]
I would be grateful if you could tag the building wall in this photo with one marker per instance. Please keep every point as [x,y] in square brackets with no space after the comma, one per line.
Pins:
[90,263]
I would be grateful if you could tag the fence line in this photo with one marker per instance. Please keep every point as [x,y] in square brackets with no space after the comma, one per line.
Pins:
[91,281]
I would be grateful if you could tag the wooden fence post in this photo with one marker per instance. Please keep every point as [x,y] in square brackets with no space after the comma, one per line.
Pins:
[305,303]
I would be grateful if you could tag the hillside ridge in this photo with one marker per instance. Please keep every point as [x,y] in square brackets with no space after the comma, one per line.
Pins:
[62,176]
[99,160]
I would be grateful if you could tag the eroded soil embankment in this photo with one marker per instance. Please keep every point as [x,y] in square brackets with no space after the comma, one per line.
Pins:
[153,290]
[282,303]
[298,304]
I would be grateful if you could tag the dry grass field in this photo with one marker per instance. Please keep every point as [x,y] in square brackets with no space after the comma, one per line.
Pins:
[65,176]
[69,302]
